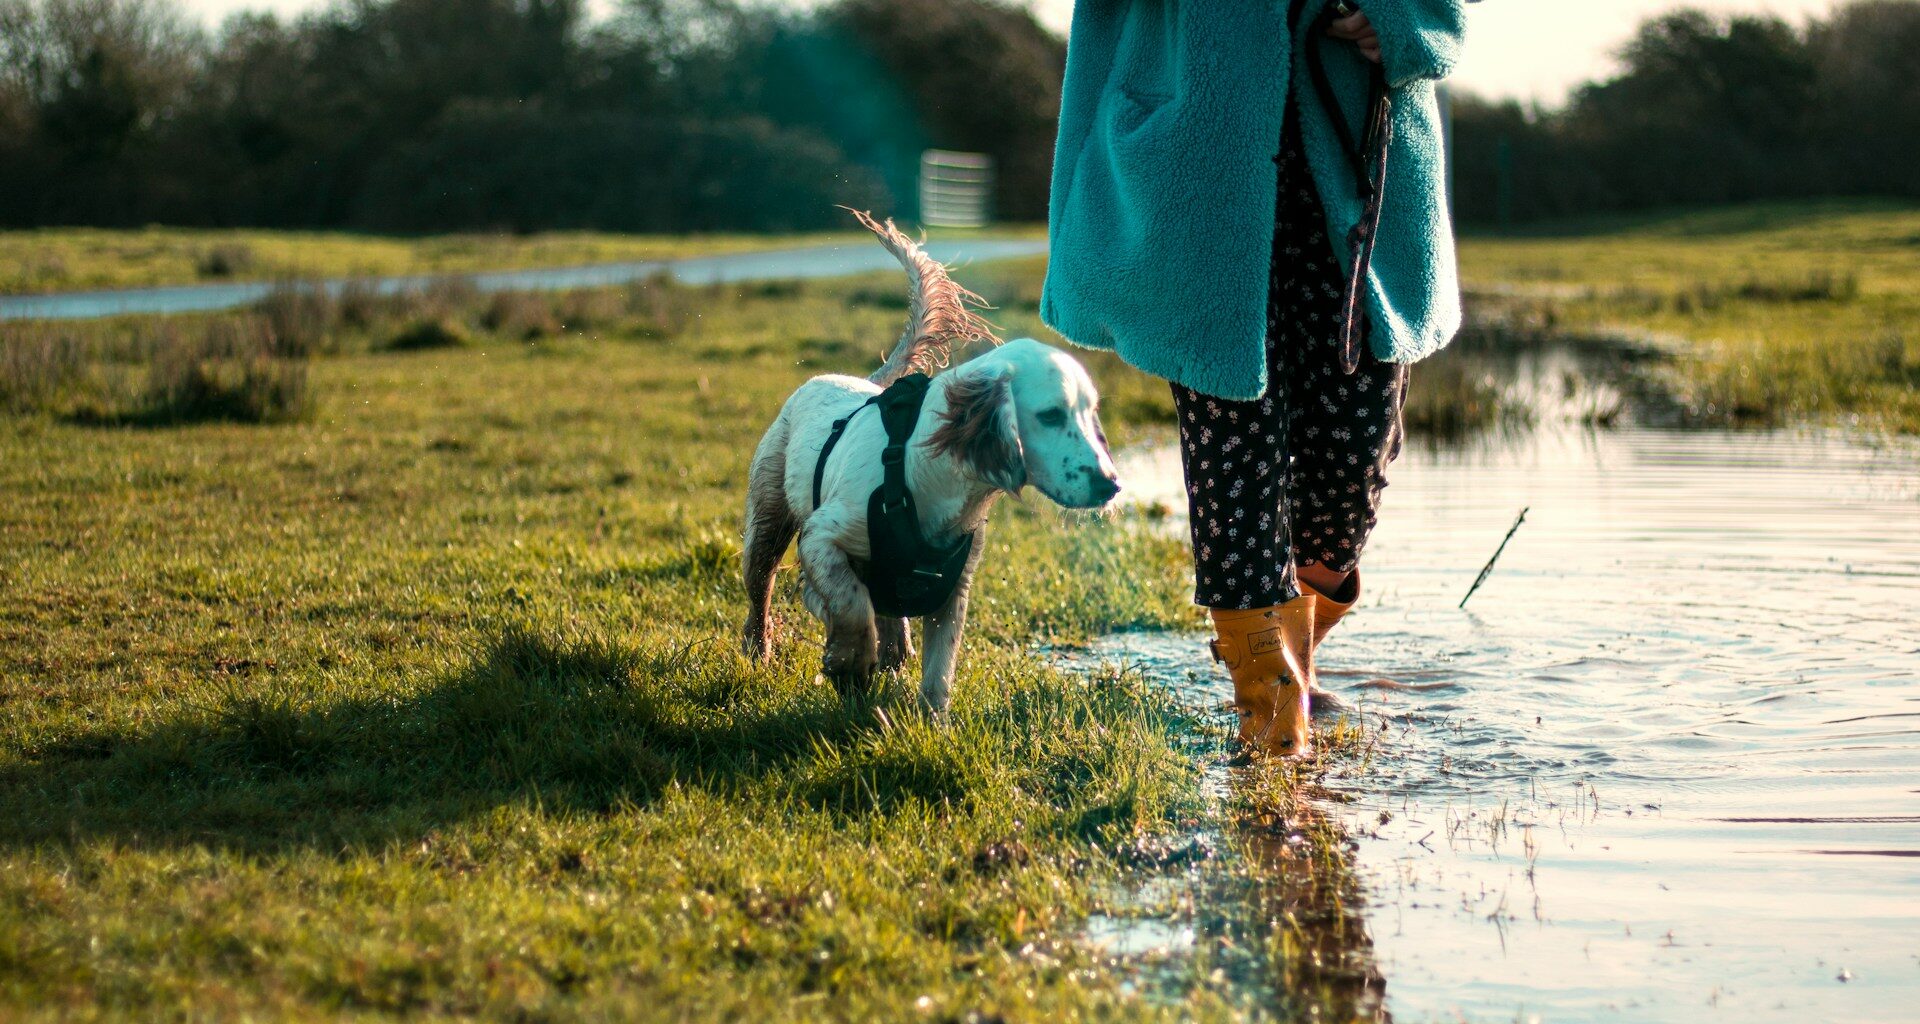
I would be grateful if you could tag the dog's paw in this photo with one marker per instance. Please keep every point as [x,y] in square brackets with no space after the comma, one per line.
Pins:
[935,701]
[850,666]
[849,682]
[756,641]
[896,648]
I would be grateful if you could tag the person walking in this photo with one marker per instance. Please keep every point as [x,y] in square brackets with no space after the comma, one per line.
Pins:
[1249,201]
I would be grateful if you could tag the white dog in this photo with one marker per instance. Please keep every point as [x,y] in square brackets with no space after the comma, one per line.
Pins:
[1022,414]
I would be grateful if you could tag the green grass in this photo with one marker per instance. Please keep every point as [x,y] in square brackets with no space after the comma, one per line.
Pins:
[428,703]
[423,699]
[72,259]
[1772,314]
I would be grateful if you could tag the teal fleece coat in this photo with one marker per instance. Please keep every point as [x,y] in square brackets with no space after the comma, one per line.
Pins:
[1160,227]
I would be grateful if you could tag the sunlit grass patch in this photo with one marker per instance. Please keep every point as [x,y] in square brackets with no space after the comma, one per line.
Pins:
[699,818]
[429,702]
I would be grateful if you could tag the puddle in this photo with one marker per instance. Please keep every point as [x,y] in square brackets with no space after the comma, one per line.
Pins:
[1666,765]
[1264,912]
[835,260]
[1137,936]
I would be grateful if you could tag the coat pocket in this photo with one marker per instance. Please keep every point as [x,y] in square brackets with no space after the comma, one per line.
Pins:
[1143,59]
[1131,110]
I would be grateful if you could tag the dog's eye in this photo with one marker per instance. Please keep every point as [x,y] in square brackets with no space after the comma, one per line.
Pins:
[1053,418]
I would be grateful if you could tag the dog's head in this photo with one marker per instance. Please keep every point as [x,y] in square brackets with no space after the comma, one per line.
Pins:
[1026,413]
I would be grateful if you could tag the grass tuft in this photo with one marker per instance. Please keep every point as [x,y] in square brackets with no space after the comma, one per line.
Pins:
[525,316]
[302,318]
[206,378]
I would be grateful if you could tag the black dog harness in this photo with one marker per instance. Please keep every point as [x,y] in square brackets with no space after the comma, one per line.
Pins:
[906,575]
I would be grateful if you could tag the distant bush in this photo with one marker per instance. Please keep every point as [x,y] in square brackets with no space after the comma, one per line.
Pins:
[422,115]
[443,296]
[39,365]
[222,368]
[188,385]
[431,333]
[981,76]
[360,305]
[301,318]
[585,311]
[1709,109]
[522,315]
[227,260]
[522,167]
[665,306]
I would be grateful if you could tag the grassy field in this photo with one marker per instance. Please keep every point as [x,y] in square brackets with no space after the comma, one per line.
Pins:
[76,259]
[369,657]
[1772,314]
[421,695]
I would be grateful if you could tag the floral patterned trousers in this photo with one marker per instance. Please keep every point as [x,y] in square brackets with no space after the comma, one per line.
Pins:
[1292,478]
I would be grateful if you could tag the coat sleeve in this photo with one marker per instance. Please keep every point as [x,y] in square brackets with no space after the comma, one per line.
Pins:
[1418,38]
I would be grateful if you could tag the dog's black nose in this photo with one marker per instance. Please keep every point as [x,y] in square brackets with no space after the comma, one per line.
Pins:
[1104,488]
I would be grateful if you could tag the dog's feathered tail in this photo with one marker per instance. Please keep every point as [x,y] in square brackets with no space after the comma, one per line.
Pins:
[939,311]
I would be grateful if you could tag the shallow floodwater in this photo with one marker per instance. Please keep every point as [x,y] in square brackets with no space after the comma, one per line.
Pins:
[1666,765]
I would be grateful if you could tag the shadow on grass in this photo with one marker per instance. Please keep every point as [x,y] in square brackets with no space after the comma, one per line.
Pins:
[580,726]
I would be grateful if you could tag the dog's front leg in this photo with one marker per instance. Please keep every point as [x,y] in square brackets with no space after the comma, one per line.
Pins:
[852,648]
[941,643]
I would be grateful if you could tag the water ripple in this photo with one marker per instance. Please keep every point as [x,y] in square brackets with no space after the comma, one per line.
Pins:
[1698,641]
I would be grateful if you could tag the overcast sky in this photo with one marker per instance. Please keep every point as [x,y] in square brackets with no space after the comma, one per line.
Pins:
[1530,49]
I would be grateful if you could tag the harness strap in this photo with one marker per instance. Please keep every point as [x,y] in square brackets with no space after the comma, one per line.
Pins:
[907,576]
[839,428]
[899,414]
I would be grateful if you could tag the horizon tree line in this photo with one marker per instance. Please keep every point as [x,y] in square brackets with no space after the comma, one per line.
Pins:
[705,115]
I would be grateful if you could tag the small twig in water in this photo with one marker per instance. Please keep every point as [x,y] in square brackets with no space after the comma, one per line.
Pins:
[1488,571]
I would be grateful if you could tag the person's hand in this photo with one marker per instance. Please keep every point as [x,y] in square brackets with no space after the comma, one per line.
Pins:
[1356,29]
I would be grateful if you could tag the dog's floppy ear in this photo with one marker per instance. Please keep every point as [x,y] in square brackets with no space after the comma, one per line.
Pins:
[979,427]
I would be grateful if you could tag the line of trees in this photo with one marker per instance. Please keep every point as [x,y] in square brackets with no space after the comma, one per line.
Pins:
[1707,110]
[433,115]
[677,115]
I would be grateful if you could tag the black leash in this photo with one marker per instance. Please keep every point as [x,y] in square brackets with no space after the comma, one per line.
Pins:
[1369,159]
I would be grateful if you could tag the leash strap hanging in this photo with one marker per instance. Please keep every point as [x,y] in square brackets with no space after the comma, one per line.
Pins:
[1368,157]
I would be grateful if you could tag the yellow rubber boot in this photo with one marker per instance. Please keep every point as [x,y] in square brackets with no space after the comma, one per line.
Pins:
[1269,654]
[1329,608]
